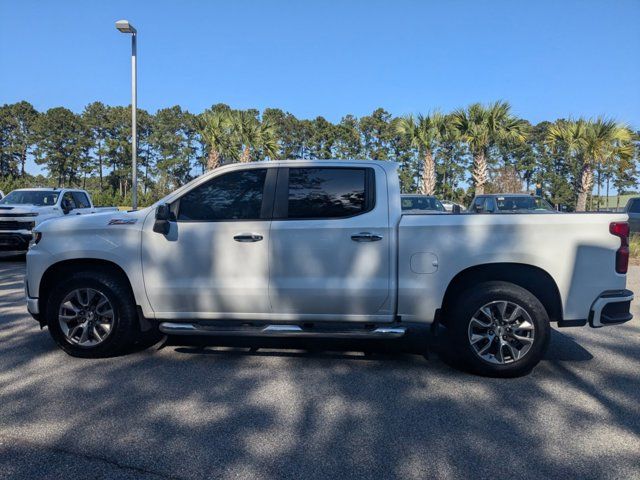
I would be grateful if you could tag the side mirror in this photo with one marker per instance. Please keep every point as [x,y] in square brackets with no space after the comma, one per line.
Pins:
[163,217]
[456,209]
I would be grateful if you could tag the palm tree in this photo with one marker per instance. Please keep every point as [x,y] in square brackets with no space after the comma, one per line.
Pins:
[255,136]
[217,135]
[247,131]
[480,127]
[423,135]
[268,139]
[588,143]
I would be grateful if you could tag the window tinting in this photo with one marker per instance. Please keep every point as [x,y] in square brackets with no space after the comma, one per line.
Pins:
[422,203]
[635,206]
[232,196]
[68,202]
[81,200]
[523,203]
[30,197]
[326,192]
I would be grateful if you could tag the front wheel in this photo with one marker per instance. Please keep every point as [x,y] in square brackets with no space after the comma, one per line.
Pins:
[499,329]
[92,315]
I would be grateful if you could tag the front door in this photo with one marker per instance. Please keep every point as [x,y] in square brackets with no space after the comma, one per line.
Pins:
[330,245]
[213,263]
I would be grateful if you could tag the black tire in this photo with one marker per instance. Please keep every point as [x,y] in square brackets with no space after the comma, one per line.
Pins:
[124,330]
[469,302]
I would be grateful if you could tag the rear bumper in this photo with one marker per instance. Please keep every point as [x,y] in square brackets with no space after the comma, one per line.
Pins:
[14,241]
[611,308]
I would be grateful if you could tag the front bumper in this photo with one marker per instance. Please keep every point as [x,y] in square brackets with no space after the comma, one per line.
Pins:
[33,306]
[14,241]
[611,308]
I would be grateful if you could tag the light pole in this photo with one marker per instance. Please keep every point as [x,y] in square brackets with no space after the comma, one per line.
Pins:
[125,27]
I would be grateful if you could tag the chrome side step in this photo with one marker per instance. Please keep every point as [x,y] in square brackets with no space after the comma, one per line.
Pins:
[182,328]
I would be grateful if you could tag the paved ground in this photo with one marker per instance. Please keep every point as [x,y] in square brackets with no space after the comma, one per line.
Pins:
[223,412]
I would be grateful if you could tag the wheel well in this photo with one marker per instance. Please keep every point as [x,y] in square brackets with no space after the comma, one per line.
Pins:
[531,278]
[60,270]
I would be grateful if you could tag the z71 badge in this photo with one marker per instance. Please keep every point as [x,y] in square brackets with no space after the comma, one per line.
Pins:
[122,221]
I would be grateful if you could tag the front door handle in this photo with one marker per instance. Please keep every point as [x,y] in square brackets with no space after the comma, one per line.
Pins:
[247,237]
[366,237]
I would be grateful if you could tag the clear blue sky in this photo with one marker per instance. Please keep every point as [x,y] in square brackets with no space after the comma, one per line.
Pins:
[548,58]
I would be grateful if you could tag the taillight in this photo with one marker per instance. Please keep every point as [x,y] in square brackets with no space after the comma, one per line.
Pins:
[621,230]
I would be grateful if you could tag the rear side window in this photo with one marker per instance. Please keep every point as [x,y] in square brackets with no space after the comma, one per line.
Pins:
[81,199]
[329,192]
[231,196]
[635,206]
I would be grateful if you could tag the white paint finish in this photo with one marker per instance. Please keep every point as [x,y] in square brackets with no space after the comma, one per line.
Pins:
[317,269]
[312,270]
[424,262]
[91,237]
[199,269]
[48,212]
[577,250]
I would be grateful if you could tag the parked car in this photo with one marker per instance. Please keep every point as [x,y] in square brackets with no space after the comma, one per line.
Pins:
[633,210]
[449,206]
[420,204]
[23,209]
[322,249]
[509,203]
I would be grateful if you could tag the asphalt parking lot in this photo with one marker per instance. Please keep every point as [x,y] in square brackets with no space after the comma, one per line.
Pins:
[184,411]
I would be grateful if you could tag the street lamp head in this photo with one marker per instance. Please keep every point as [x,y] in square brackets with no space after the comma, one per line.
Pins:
[125,27]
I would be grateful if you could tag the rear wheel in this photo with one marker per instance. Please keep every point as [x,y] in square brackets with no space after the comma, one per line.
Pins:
[499,329]
[92,315]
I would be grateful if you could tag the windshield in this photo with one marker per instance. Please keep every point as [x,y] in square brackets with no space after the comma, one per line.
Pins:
[30,197]
[510,204]
[422,203]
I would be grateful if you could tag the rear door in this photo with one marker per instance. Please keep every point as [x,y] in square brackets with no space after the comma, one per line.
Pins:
[330,245]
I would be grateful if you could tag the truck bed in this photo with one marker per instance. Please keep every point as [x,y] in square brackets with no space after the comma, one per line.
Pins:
[433,249]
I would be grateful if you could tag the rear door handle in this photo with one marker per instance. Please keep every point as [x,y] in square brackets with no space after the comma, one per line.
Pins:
[247,237]
[366,237]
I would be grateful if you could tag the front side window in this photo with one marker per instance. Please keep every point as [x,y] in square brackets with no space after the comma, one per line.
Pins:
[81,199]
[327,192]
[231,196]
[68,203]
[478,204]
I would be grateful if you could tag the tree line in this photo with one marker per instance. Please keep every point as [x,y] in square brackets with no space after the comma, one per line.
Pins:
[477,149]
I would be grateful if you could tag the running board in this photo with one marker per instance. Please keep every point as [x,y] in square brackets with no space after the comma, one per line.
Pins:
[175,328]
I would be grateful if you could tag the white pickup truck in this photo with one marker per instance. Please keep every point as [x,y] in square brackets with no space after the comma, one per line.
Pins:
[24,209]
[321,248]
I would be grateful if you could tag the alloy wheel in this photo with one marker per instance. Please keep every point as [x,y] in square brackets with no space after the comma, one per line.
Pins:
[501,332]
